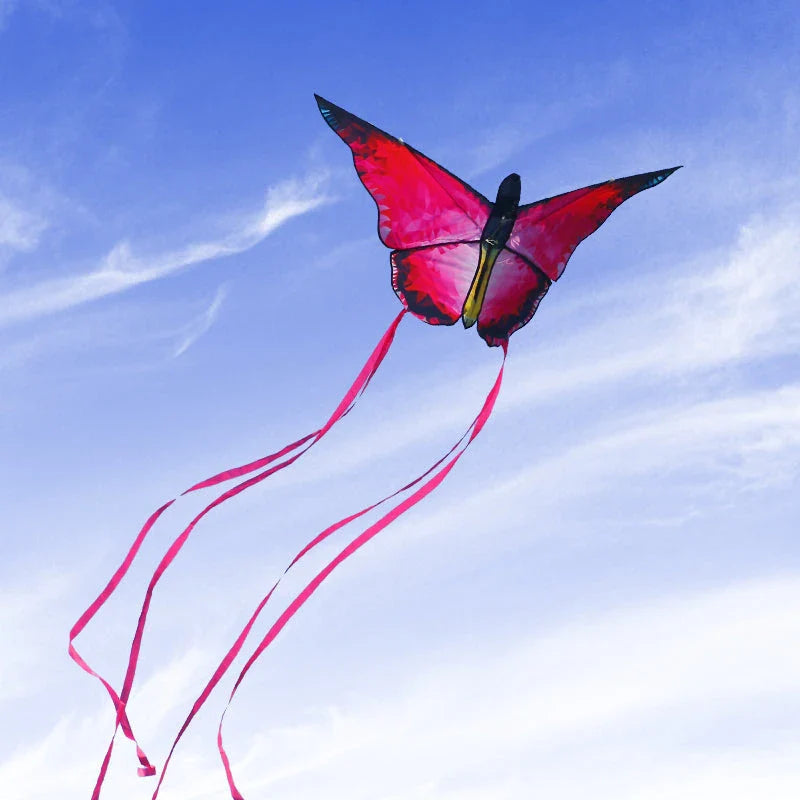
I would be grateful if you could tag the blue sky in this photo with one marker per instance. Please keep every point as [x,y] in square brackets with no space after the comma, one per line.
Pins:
[602,598]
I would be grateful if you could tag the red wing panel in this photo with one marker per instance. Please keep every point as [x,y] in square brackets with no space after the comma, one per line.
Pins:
[512,297]
[432,282]
[548,231]
[419,202]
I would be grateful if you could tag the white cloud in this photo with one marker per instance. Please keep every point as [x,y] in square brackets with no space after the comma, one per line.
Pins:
[121,269]
[20,229]
[752,438]
[709,451]
[538,706]
[144,332]
[630,703]
[197,327]
[27,628]
[716,311]
[66,760]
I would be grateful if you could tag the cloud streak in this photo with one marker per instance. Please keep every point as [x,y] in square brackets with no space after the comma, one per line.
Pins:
[198,327]
[567,708]
[20,230]
[719,448]
[121,269]
[21,665]
[546,703]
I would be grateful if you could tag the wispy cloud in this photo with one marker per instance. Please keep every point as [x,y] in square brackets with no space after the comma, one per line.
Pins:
[711,450]
[547,703]
[20,229]
[121,269]
[197,327]
[567,707]
[717,310]
[64,762]
[21,665]
[145,332]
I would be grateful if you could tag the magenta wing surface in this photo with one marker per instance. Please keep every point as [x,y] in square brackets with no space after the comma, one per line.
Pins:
[548,231]
[515,290]
[435,223]
[419,202]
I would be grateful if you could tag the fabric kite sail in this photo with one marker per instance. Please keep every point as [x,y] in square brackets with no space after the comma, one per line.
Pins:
[455,256]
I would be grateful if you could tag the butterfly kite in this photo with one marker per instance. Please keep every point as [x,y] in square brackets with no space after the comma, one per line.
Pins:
[455,256]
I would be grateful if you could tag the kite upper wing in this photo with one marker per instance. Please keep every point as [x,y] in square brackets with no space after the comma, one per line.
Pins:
[548,231]
[419,202]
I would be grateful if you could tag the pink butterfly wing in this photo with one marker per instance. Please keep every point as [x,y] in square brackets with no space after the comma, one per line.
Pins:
[432,282]
[419,202]
[548,231]
[515,289]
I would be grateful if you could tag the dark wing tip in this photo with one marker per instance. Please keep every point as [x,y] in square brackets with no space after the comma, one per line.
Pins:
[661,175]
[331,113]
[645,180]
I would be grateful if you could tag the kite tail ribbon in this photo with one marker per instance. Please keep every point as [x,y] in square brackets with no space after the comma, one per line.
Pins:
[440,473]
[298,448]
[356,544]
[233,652]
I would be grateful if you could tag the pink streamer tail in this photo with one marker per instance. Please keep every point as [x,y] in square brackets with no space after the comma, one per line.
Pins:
[356,544]
[298,447]
[235,649]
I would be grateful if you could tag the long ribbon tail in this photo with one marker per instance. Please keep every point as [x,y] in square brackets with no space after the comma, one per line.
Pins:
[356,544]
[119,701]
[345,406]
[234,650]
[146,767]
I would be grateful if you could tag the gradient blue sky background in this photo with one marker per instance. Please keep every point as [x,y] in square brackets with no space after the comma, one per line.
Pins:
[603,599]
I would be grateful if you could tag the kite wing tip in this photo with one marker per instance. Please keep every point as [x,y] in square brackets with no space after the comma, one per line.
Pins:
[322,103]
[331,113]
[654,178]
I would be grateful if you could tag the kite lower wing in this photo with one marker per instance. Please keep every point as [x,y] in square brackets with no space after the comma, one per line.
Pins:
[512,297]
[432,282]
